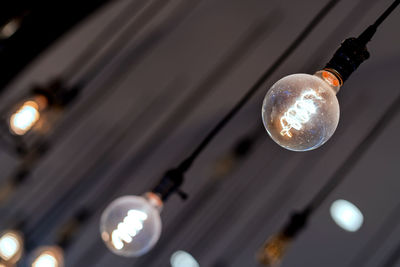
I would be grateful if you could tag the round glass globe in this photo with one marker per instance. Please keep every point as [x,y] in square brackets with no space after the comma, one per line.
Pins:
[301,112]
[131,225]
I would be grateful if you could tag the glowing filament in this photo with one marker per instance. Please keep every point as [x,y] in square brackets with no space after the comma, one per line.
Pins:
[299,113]
[128,228]
[24,118]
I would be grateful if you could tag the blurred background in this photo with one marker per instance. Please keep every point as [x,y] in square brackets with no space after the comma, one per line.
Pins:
[136,84]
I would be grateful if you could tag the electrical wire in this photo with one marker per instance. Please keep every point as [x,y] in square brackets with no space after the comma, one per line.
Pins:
[187,162]
[230,60]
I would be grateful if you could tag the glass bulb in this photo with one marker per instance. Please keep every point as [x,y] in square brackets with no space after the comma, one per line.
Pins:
[274,250]
[301,112]
[183,259]
[51,256]
[346,215]
[131,225]
[27,115]
[11,246]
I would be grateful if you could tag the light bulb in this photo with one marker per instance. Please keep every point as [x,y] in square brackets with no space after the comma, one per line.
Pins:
[346,215]
[301,112]
[131,225]
[274,250]
[183,259]
[48,256]
[11,246]
[27,115]
[8,29]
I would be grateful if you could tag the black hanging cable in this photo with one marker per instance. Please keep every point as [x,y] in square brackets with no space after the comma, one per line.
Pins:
[173,178]
[268,210]
[85,182]
[230,60]
[242,147]
[370,31]
[115,141]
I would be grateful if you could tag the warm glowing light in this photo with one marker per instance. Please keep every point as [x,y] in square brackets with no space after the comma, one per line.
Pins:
[183,259]
[45,260]
[11,246]
[131,225]
[48,257]
[299,113]
[24,118]
[128,228]
[346,215]
[274,250]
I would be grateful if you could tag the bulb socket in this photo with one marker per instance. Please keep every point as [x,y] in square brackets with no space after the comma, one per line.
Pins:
[169,184]
[347,58]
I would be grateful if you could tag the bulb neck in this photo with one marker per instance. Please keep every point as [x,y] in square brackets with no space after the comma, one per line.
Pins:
[155,200]
[331,77]
[349,56]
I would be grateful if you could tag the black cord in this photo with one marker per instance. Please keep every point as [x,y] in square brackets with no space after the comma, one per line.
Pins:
[386,13]
[186,163]
[367,35]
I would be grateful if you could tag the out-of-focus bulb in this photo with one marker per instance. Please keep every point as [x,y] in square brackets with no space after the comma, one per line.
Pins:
[346,215]
[273,251]
[301,112]
[8,29]
[131,225]
[26,116]
[11,246]
[51,256]
[183,259]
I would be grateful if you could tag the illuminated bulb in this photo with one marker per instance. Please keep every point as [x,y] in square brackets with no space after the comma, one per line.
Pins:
[274,250]
[131,225]
[9,28]
[11,246]
[183,259]
[51,256]
[346,215]
[301,112]
[27,115]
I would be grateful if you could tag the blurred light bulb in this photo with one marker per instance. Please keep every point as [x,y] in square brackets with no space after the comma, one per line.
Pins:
[7,30]
[131,225]
[346,215]
[301,112]
[51,256]
[183,259]
[274,250]
[27,115]
[11,246]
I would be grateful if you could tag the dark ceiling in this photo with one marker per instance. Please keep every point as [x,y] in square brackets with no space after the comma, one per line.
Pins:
[175,71]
